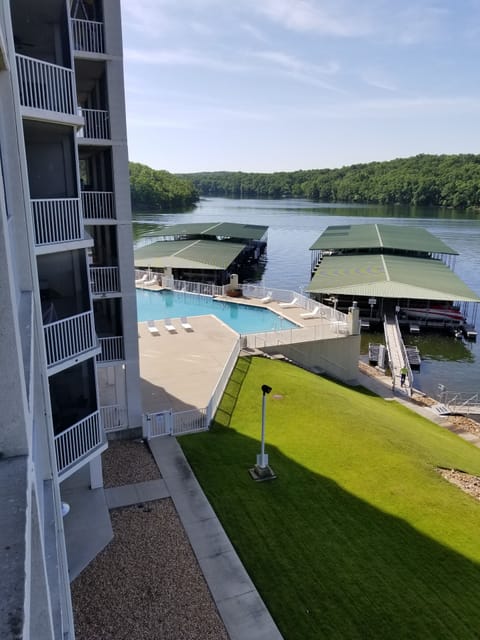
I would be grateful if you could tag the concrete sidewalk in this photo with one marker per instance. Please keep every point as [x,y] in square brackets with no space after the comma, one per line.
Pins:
[243,612]
[381,386]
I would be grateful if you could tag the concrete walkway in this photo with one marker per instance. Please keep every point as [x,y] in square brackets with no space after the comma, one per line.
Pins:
[243,612]
[381,386]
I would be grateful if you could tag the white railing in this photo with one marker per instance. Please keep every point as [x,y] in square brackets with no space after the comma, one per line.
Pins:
[56,220]
[43,85]
[104,280]
[78,441]
[96,124]
[189,421]
[69,337]
[324,330]
[87,35]
[98,205]
[196,287]
[112,349]
[222,382]
[114,417]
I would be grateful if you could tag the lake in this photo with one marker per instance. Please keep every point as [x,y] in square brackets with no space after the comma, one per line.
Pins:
[294,224]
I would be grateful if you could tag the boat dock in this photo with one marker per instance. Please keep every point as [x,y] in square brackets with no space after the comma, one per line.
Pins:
[397,353]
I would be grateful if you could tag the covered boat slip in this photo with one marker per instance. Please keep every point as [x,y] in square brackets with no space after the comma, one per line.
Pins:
[202,251]
[389,269]
[380,283]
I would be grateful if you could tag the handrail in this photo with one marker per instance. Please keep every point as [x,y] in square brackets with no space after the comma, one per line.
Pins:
[77,441]
[44,85]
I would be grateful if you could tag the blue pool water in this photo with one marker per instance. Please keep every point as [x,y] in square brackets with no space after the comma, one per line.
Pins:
[157,305]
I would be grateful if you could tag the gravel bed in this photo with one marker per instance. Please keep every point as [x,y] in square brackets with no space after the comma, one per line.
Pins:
[146,584]
[128,462]
[468,483]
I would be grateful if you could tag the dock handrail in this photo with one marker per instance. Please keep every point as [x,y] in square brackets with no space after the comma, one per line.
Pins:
[403,353]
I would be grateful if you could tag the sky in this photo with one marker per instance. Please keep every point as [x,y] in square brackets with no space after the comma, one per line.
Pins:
[280,85]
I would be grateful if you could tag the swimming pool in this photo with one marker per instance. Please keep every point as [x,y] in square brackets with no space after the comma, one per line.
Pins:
[157,305]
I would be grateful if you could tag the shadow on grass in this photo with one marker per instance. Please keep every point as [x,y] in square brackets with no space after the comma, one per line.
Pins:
[328,564]
[230,395]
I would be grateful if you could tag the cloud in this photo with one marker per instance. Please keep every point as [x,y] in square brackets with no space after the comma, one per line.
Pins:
[181,57]
[378,78]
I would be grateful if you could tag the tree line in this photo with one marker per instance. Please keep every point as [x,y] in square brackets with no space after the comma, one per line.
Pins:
[439,180]
[153,189]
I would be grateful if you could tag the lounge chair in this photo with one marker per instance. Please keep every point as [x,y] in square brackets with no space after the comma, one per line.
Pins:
[293,303]
[152,328]
[153,280]
[185,324]
[268,298]
[311,314]
[169,326]
[143,279]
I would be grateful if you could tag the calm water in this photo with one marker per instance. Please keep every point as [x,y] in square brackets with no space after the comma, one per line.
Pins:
[295,224]
[158,305]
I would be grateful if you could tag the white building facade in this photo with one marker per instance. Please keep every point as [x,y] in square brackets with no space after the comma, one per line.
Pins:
[68,335]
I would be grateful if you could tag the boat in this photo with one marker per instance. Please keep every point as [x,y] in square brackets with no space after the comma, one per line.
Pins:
[436,313]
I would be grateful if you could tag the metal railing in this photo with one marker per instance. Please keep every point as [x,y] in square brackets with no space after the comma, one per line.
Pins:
[98,205]
[189,421]
[69,337]
[112,349]
[88,35]
[56,220]
[104,280]
[44,85]
[114,417]
[78,441]
[222,382]
[96,124]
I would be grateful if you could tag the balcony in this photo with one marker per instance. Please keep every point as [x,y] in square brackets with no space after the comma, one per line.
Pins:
[98,205]
[57,220]
[96,125]
[104,280]
[46,86]
[111,349]
[78,442]
[69,338]
[87,36]
[114,417]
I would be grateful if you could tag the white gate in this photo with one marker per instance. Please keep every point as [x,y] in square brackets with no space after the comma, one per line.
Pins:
[157,424]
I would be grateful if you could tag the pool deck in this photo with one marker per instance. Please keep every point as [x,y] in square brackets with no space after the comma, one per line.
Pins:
[179,370]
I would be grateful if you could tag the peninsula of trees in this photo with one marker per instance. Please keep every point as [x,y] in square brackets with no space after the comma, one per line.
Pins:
[152,189]
[440,180]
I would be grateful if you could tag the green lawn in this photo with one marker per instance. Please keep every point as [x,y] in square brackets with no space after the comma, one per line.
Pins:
[359,536]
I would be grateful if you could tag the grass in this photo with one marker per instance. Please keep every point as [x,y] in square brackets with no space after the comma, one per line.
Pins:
[358,537]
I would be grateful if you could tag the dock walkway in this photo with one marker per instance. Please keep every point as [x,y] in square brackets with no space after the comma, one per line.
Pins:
[397,353]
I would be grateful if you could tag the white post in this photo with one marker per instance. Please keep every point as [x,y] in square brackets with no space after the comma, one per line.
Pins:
[262,457]
[96,474]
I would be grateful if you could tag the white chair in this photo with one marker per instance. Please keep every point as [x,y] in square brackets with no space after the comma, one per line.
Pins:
[154,280]
[142,280]
[185,324]
[293,303]
[169,326]
[311,314]
[268,298]
[152,328]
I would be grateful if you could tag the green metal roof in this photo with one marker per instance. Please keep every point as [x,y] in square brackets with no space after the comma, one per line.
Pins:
[387,276]
[380,236]
[217,229]
[188,254]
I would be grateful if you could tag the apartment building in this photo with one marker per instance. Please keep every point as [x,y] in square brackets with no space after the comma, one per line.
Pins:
[68,335]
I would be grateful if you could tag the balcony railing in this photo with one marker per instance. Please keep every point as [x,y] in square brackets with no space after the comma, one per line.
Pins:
[104,280]
[112,349]
[114,417]
[70,337]
[78,441]
[96,124]
[98,205]
[88,36]
[43,85]
[57,220]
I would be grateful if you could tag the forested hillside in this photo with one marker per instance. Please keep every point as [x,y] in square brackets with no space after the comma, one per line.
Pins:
[152,189]
[444,180]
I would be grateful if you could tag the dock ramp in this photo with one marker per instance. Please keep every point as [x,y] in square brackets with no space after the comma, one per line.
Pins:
[397,353]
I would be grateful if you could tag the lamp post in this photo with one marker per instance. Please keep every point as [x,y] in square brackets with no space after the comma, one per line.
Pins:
[262,457]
